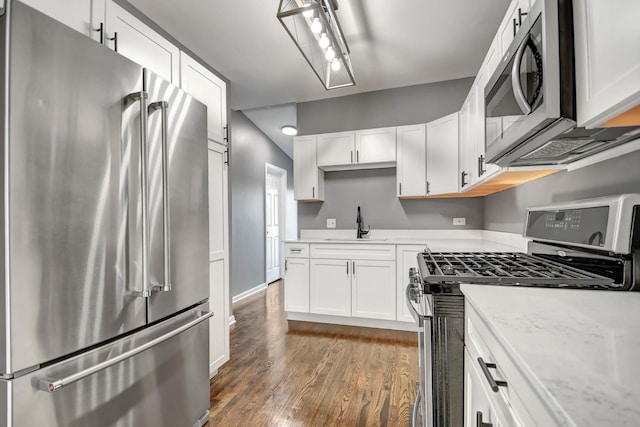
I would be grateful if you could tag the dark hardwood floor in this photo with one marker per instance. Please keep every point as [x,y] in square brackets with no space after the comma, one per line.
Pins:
[308,374]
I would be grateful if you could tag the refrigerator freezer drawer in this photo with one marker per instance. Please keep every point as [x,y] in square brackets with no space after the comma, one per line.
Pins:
[164,385]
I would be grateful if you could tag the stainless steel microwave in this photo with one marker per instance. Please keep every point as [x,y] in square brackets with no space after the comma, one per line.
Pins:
[530,106]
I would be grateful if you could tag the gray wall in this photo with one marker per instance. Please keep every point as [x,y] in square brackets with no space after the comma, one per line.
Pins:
[250,149]
[375,190]
[504,211]
[392,107]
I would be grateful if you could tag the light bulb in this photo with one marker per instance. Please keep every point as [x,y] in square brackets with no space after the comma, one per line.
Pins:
[324,40]
[330,53]
[335,64]
[308,13]
[316,26]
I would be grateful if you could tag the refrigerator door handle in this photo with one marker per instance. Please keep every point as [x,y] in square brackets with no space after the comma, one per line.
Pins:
[51,385]
[163,106]
[144,159]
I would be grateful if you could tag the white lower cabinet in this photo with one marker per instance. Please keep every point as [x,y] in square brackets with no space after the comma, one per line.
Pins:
[330,287]
[512,402]
[478,410]
[296,285]
[373,293]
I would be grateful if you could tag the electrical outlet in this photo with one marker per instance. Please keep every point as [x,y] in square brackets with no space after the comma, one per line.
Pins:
[459,221]
[331,223]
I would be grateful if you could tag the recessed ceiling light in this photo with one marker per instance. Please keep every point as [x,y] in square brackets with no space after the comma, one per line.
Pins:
[289,130]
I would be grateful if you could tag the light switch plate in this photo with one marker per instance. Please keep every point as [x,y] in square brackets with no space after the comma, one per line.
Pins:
[331,223]
[459,221]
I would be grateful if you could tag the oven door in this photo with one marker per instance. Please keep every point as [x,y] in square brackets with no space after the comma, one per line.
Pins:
[420,305]
[522,98]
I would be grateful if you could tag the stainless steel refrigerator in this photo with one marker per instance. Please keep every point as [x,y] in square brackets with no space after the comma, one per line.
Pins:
[104,229]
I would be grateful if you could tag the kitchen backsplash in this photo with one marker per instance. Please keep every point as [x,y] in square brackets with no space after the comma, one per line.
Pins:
[374,191]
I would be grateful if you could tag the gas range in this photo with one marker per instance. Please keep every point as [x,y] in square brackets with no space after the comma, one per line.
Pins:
[588,244]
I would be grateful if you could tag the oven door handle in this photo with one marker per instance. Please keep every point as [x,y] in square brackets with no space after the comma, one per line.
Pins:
[419,317]
[518,93]
[414,410]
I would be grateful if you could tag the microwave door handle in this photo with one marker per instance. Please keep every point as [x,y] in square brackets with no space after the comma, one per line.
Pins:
[166,243]
[518,93]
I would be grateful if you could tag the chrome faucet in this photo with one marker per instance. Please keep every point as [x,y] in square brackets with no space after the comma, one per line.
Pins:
[361,232]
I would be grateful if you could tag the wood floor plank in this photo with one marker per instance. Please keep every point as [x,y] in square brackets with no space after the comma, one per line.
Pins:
[303,374]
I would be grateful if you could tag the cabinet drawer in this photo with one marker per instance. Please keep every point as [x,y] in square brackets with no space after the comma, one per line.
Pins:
[517,399]
[296,250]
[354,251]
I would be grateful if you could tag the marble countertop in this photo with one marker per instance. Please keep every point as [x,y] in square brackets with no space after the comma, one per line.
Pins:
[581,346]
[436,240]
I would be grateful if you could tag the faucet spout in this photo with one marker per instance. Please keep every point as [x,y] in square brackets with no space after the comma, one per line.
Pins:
[361,232]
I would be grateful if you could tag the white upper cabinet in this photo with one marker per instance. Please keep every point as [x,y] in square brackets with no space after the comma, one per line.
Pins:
[442,155]
[607,45]
[84,16]
[376,145]
[308,180]
[209,89]
[130,37]
[411,173]
[362,149]
[511,24]
[336,149]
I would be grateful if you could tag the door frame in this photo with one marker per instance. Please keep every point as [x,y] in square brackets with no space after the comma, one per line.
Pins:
[270,169]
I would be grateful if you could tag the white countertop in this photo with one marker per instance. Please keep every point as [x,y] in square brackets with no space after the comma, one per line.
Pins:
[581,346]
[436,240]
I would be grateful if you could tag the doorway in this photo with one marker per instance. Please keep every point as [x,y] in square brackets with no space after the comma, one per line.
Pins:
[275,191]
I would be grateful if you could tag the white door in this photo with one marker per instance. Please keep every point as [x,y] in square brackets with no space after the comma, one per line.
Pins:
[274,221]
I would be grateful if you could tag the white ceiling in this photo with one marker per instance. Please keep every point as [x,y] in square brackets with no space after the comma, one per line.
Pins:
[393,43]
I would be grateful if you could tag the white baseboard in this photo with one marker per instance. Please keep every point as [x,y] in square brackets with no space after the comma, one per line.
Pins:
[353,321]
[248,293]
[232,320]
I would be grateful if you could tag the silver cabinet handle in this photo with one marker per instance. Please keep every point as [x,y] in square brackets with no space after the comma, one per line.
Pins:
[494,384]
[347,268]
[351,156]
[295,251]
[313,192]
[400,188]
[52,385]
[357,156]
[354,268]
[286,266]
[480,422]
[166,243]
[144,159]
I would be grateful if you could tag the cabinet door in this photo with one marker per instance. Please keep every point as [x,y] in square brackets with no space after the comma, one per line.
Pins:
[141,44]
[376,145]
[296,285]
[330,287]
[412,161]
[218,257]
[336,149]
[467,146]
[84,16]
[607,36]
[482,168]
[442,155]
[511,23]
[308,180]
[209,89]
[407,257]
[373,289]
